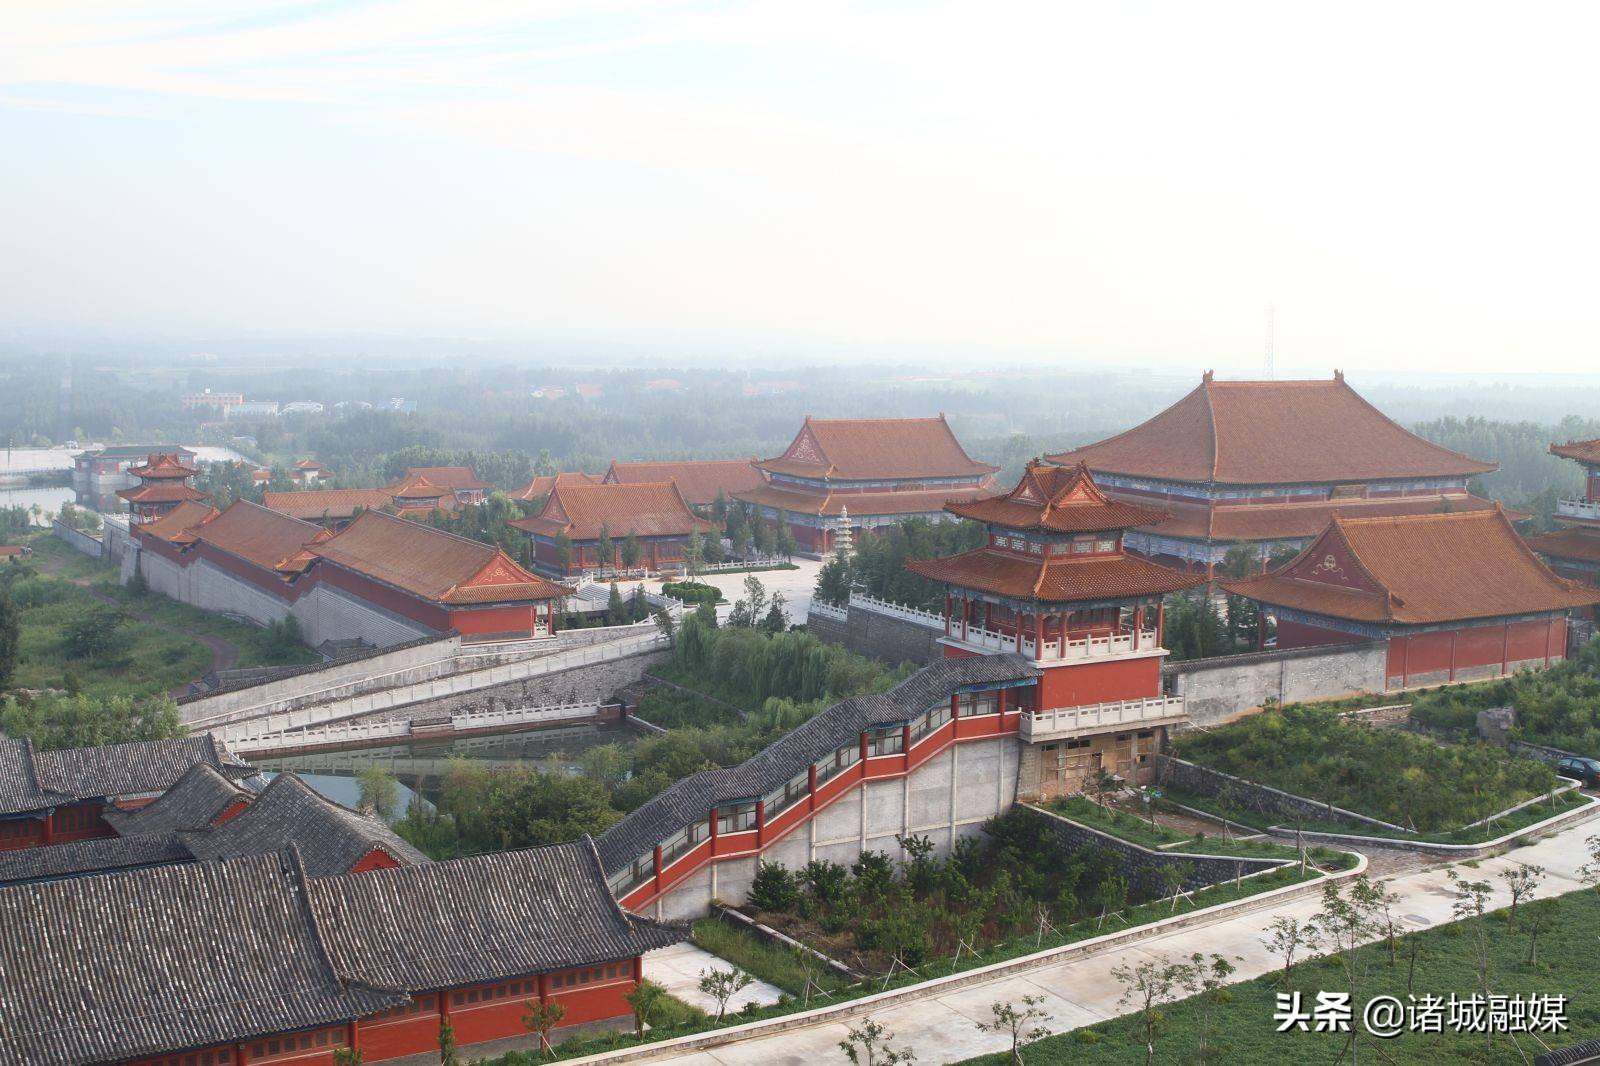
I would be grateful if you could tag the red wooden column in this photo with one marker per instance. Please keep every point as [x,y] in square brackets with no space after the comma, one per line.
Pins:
[1452,655]
[761,823]
[544,984]
[355,1037]
[1038,635]
[1161,624]
[947,607]
[655,865]
[863,755]
[1505,648]
[1138,624]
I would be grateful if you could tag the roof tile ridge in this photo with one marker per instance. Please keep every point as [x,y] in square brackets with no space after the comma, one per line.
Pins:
[301,886]
[1211,427]
[1340,382]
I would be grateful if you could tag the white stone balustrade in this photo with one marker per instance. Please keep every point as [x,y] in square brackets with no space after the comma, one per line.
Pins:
[1107,647]
[1589,509]
[1064,722]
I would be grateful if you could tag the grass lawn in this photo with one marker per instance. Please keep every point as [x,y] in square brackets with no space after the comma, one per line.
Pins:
[154,649]
[1136,830]
[1521,819]
[764,961]
[1001,952]
[1243,1030]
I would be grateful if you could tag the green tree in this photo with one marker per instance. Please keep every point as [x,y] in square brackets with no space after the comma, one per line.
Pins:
[81,721]
[10,638]
[380,792]
[645,999]
[448,1055]
[616,610]
[632,551]
[606,546]
[564,552]
[93,632]
[540,1018]
[833,582]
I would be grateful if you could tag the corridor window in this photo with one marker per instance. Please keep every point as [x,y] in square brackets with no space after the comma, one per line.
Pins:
[888,741]
[839,761]
[793,791]
[740,818]
[977,704]
[932,720]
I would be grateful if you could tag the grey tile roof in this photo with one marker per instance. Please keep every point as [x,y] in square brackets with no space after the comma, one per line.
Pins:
[31,780]
[693,797]
[91,856]
[109,968]
[331,838]
[479,919]
[195,800]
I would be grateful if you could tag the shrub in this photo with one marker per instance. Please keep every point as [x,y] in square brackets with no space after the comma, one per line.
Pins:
[775,888]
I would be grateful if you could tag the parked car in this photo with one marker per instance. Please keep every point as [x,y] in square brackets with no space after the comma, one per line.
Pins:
[1586,771]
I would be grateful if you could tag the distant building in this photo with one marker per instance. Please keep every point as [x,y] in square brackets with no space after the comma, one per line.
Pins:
[207,399]
[540,485]
[1267,464]
[770,388]
[884,470]
[381,579]
[253,409]
[700,480]
[656,514]
[1456,597]
[1573,550]
[111,464]
[301,407]
[402,405]
[664,385]
[462,482]
[308,473]
[589,391]
[548,392]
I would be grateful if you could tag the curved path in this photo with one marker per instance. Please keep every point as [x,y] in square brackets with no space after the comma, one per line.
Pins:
[942,1027]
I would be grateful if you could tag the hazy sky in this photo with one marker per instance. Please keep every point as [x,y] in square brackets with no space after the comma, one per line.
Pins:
[1413,185]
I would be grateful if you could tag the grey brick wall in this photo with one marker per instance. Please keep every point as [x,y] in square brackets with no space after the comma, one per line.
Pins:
[1226,687]
[879,636]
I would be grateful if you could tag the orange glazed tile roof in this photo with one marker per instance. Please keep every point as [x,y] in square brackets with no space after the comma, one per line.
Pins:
[648,509]
[699,479]
[873,449]
[451,478]
[178,525]
[926,501]
[162,465]
[1057,500]
[326,503]
[161,492]
[1272,433]
[1417,570]
[1584,451]
[542,484]
[1294,521]
[1568,544]
[1054,580]
[259,535]
[309,464]
[431,563]
[416,487]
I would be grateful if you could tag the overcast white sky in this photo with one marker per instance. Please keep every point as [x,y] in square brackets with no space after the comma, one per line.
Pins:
[1413,185]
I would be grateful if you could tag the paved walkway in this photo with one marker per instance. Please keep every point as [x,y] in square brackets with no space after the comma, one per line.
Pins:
[1082,992]
[677,969]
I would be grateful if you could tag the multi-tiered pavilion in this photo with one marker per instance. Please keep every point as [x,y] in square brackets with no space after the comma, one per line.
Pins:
[1267,464]
[1055,584]
[1573,550]
[163,485]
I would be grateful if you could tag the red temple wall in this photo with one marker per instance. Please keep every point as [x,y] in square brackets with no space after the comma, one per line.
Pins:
[1086,683]
[1301,635]
[1473,652]
[481,620]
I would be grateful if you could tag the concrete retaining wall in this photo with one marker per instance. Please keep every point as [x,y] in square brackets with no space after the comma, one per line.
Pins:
[946,798]
[88,544]
[878,636]
[1142,866]
[1220,689]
